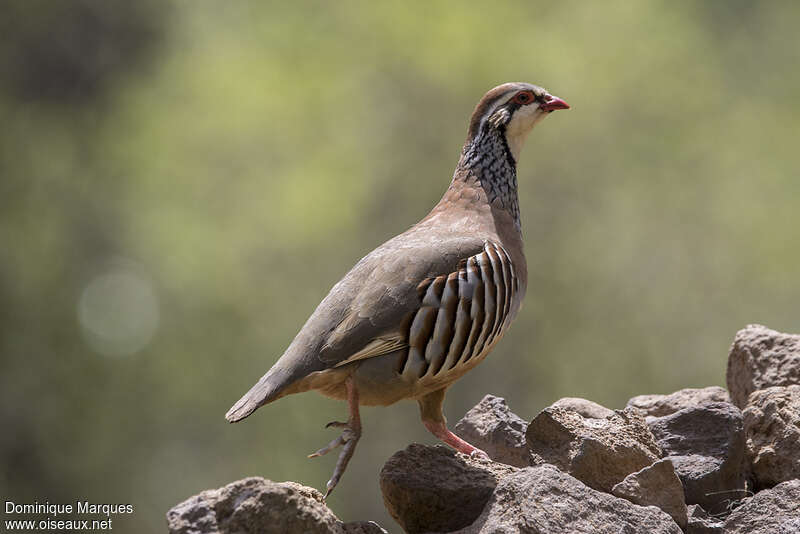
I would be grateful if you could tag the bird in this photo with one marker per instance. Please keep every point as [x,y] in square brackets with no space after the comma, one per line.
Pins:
[428,305]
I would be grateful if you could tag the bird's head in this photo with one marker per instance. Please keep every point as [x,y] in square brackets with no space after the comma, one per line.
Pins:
[512,109]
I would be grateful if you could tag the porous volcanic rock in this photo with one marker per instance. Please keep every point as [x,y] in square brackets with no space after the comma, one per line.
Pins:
[661,405]
[490,425]
[258,506]
[706,446]
[584,407]
[772,429]
[760,358]
[772,511]
[544,500]
[599,452]
[435,489]
[655,485]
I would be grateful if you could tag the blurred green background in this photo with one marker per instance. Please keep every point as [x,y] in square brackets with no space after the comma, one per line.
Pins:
[181,183]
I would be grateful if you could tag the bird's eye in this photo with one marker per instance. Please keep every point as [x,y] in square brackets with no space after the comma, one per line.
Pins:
[523,97]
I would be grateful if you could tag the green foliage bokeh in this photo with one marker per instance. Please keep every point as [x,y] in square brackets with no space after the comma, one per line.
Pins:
[239,157]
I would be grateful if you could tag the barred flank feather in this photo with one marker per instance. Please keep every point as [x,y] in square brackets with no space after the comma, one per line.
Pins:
[461,314]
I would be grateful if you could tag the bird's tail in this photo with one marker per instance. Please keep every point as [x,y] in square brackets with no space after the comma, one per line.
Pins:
[266,390]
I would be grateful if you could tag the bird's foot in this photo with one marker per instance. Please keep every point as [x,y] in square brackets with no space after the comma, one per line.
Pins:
[440,430]
[477,453]
[347,440]
[351,433]
[465,448]
[346,436]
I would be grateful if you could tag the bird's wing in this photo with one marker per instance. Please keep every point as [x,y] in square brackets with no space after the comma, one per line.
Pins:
[386,295]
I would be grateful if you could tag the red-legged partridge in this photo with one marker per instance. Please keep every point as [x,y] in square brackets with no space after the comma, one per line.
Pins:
[427,306]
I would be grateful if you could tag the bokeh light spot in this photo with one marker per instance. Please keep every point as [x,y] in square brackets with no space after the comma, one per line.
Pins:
[118,312]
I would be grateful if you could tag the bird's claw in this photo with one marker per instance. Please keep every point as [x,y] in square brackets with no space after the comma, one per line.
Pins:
[477,453]
[336,424]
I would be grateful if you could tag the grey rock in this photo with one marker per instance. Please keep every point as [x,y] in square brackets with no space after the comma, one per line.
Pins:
[544,500]
[490,425]
[655,485]
[701,523]
[760,358]
[661,405]
[434,489]
[255,505]
[584,407]
[364,527]
[706,446]
[599,452]
[772,511]
[772,429]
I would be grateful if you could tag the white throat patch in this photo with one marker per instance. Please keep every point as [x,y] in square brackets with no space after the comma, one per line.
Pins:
[522,122]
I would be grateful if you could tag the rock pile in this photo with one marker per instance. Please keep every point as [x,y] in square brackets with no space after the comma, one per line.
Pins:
[697,461]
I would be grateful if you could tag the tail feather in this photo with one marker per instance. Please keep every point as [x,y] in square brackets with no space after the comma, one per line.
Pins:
[266,390]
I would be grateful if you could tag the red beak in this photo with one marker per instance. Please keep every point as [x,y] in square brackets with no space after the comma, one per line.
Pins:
[552,103]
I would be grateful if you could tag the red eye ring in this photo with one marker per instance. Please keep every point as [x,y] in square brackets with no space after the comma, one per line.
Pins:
[523,97]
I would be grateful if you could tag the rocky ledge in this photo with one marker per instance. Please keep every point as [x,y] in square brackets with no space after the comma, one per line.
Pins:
[697,461]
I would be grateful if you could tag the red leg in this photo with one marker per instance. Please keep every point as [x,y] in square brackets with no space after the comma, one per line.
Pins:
[430,407]
[440,430]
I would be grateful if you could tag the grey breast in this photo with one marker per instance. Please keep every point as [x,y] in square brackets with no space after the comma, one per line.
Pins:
[461,316]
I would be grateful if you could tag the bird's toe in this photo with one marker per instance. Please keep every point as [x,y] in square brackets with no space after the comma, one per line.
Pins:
[337,424]
[339,440]
[477,453]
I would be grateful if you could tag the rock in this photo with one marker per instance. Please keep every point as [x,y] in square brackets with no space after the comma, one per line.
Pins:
[493,427]
[434,489]
[661,405]
[706,446]
[772,511]
[655,485]
[544,500]
[584,407]
[599,452]
[701,523]
[255,505]
[772,430]
[760,358]
[363,527]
